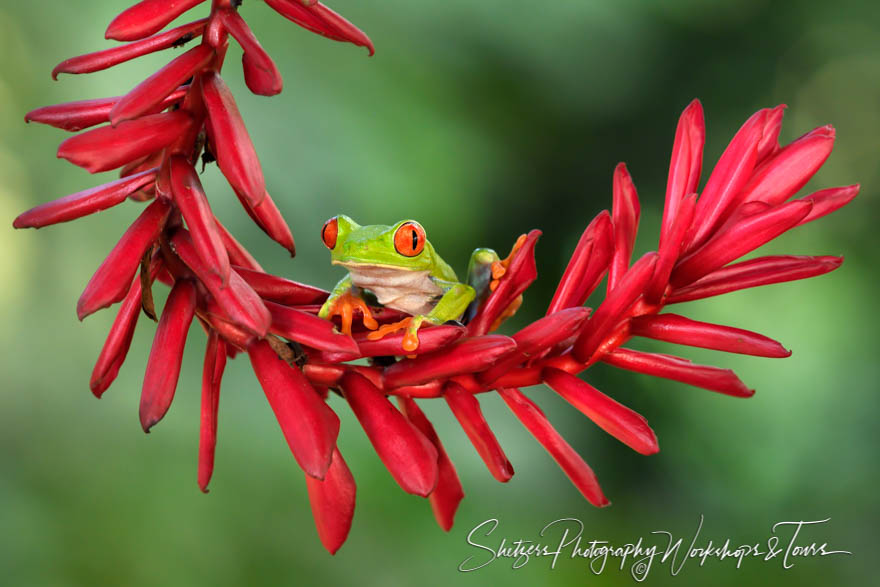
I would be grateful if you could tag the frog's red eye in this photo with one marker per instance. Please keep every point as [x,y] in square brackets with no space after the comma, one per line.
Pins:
[409,240]
[330,232]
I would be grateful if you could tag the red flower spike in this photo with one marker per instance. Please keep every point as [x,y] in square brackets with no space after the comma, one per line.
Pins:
[260,73]
[828,200]
[107,58]
[614,418]
[742,237]
[83,203]
[782,175]
[625,219]
[409,456]
[309,330]
[520,274]
[280,290]
[605,318]
[193,204]
[448,493]
[319,19]
[309,425]
[163,366]
[108,147]
[118,341]
[113,278]
[466,409]
[146,17]
[332,500]
[212,374]
[669,367]
[238,255]
[238,300]
[232,145]
[730,175]
[578,471]
[680,330]
[537,337]
[670,249]
[769,144]
[753,273]
[153,90]
[587,266]
[685,164]
[469,356]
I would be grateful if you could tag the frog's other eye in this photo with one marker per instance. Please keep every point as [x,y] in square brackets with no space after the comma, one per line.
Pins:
[330,232]
[409,240]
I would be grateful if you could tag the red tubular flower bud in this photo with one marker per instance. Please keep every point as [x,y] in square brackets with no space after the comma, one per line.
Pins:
[681,330]
[101,60]
[238,300]
[753,273]
[260,73]
[193,204]
[625,219]
[685,164]
[163,366]
[83,203]
[109,147]
[319,19]
[118,341]
[448,493]
[280,290]
[609,313]
[587,266]
[783,174]
[75,116]
[737,239]
[332,500]
[270,221]
[238,255]
[669,367]
[466,409]
[828,200]
[730,175]
[146,17]
[232,145]
[234,335]
[153,90]
[769,143]
[537,337]
[113,278]
[520,274]
[617,420]
[670,250]
[309,425]
[430,339]
[212,374]
[571,463]
[469,356]
[409,456]
[309,330]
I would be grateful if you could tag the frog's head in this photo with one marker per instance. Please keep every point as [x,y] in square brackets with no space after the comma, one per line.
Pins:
[402,246]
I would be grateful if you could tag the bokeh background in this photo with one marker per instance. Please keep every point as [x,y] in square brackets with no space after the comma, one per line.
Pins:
[481,119]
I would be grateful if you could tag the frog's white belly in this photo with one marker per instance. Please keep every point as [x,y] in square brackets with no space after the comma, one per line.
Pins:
[413,292]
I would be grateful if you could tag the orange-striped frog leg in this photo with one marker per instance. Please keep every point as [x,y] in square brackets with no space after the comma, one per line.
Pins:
[342,302]
[455,299]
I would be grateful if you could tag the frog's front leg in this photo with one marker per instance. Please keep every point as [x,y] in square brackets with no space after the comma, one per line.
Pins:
[343,302]
[451,306]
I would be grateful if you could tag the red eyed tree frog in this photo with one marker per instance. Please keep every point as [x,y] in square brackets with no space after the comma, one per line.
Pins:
[401,268]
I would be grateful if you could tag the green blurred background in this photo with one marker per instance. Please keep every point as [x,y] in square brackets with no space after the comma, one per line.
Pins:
[481,119]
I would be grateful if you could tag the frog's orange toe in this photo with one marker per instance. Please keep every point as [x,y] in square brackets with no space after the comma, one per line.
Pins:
[410,339]
[499,268]
[344,307]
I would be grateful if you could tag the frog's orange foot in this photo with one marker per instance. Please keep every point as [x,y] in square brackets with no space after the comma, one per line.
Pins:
[410,339]
[345,305]
[499,268]
[509,311]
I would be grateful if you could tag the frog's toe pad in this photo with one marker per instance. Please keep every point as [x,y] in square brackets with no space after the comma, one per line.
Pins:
[345,306]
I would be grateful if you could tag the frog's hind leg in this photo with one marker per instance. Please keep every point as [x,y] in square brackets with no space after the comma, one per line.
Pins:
[479,277]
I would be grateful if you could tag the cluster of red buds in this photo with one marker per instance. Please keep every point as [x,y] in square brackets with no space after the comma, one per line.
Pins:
[155,134]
